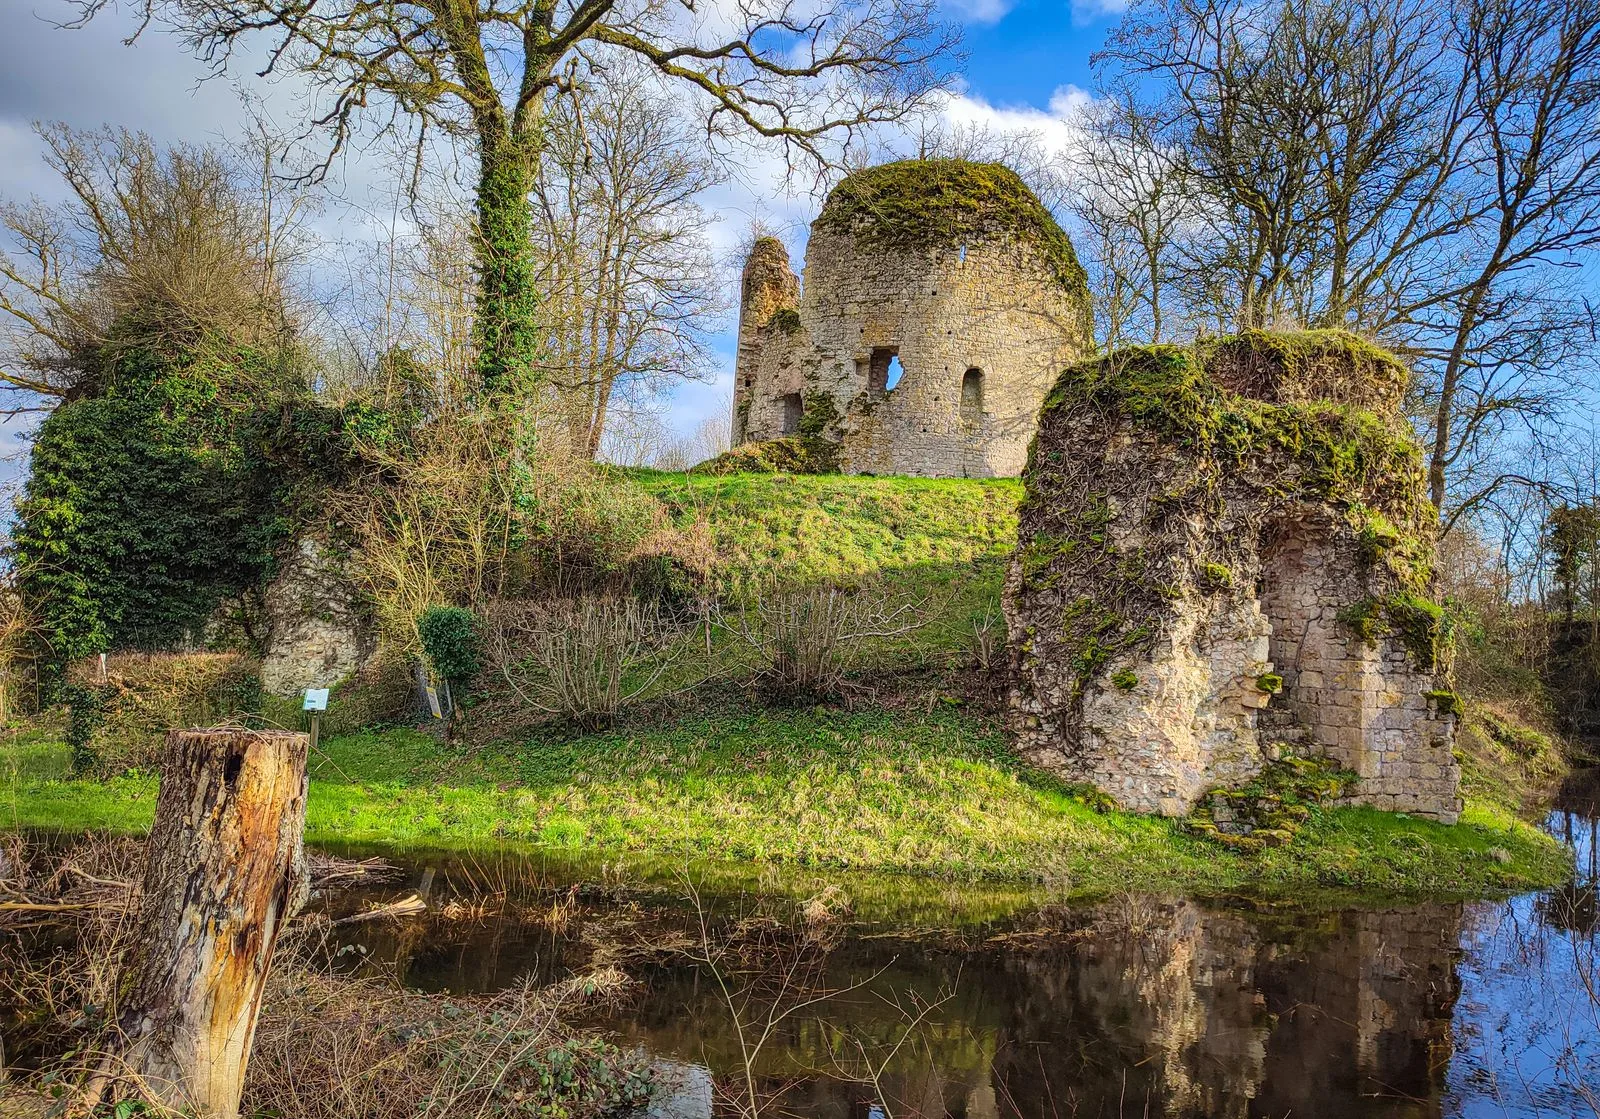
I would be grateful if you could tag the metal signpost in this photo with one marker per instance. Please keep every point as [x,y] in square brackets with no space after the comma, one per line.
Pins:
[316,703]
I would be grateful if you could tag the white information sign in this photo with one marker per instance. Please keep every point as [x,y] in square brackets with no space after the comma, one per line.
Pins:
[316,699]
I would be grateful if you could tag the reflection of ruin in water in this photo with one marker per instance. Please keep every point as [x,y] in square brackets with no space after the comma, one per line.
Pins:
[1140,1008]
[1137,1004]
[1134,1006]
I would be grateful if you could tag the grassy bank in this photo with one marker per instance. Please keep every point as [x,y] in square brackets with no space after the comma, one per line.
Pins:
[914,781]
[909,789]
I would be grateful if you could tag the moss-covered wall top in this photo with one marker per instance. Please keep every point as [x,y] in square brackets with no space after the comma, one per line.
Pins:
[1356,459]
[919,203]
[1302,366]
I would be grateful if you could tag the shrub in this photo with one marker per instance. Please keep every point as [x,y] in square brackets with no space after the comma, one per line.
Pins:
[803,641]
[122,723]
[792,454]
[988,640]
[452,639]
[581,658]
[85,713]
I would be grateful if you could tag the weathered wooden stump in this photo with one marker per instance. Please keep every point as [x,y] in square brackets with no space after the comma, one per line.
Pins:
[226,870]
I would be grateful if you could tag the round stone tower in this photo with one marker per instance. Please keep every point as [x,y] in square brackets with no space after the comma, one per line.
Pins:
[940,302]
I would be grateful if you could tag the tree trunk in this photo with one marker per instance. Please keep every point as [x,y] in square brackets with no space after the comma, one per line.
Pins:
[225,870]
[508,297]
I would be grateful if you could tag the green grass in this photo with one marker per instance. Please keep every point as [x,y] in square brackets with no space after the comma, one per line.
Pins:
[926,792]
[804,528]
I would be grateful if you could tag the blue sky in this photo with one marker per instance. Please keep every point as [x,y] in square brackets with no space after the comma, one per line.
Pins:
[1019,58]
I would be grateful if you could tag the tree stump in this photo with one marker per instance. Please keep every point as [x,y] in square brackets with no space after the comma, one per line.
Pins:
[226,870]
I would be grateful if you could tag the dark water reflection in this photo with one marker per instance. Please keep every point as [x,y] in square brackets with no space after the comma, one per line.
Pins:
[1136,1006]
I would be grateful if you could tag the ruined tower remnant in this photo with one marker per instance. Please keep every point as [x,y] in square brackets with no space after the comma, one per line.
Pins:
[1225,554]
[941,300]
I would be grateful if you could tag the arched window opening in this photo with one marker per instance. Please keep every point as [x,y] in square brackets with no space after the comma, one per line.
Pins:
[972,396]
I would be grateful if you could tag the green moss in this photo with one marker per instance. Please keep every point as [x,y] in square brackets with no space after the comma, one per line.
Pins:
[786,319]
[1364,619]
[1304,365]
[1039,553]
[1125,679]
[1216,576]
[820,414]
[1445,701]
[947,203]
[1269,682]
[793,454]
[1418,622]
[1274,805]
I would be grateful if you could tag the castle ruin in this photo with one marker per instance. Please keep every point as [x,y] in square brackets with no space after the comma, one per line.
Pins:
[1224,557]
[940,302]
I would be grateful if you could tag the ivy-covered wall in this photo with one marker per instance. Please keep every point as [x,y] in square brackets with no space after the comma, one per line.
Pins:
[171,492]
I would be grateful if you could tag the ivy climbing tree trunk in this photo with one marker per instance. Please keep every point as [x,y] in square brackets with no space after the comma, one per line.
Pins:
[226,869]
[508,298]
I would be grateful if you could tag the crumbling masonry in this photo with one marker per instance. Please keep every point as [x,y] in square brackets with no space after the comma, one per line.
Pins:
[947,273]
[1224,557]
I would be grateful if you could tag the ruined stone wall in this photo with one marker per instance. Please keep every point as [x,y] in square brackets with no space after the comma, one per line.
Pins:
[317,635]
[1181,548]
[766,286]
[1362,700]
[980,321]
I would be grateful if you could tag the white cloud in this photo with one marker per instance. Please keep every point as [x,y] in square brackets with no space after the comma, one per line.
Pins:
[1089,11]
[1052,127]
[979,11]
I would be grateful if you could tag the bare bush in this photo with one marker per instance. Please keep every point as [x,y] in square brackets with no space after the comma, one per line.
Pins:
[581,658]
[989,639]
[804,640]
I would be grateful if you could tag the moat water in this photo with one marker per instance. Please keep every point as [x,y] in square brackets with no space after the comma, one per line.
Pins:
[938,1001]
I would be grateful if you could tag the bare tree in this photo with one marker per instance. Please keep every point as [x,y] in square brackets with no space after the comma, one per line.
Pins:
[154,246]
[631,288]
[808,77]
[1425,173]
[1131,198]
[1535,161]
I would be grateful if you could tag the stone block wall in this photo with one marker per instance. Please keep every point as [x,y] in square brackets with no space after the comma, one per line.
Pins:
[1181,547]
[1362,700]
[979,321]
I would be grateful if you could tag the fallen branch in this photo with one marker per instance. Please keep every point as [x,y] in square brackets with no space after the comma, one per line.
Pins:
[411,906]
[47,906]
